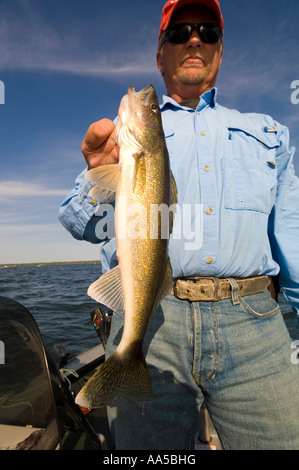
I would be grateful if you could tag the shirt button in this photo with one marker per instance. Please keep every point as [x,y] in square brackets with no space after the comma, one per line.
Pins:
[203,133]
[209,260]
[209,211]
[94,202]
[207,168]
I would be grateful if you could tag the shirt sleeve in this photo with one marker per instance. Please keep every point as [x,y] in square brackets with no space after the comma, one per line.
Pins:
[284,221]
[77,212]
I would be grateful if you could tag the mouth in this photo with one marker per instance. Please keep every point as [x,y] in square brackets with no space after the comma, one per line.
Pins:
[193,60]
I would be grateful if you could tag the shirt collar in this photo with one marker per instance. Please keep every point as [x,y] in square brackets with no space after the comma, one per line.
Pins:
[207,99]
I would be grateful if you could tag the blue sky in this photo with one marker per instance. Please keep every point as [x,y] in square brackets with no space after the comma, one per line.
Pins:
[67,63]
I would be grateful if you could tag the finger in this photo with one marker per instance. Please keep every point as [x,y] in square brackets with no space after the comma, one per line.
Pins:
[97,134]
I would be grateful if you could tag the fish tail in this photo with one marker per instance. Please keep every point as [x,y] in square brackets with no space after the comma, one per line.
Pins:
[117,377]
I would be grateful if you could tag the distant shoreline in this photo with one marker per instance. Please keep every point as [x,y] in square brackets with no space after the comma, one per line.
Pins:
[14,265]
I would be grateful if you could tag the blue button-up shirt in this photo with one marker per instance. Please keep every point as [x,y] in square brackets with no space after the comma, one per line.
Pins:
[238,196]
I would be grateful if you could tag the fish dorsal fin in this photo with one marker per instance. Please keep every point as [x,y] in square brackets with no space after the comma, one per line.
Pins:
[107,290]
[174,190]
[167,281]
[106,177]
[173,201]
[166,285]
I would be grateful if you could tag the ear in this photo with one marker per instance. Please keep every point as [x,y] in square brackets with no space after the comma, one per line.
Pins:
[160,62]
[221,53]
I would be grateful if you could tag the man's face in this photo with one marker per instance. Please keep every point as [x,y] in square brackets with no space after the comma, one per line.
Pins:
[190,69]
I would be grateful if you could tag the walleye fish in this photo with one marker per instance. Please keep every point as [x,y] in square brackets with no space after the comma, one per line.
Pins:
[140,183]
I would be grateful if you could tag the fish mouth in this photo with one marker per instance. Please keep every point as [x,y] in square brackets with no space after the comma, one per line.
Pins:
[131,104]
[144,95]
[134,100]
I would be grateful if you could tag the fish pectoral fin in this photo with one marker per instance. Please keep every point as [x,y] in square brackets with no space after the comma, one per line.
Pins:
[107,290]
[117,377]
[106,176]
[102,195]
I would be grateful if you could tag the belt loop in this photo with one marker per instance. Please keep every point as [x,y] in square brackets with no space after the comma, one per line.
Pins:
[235,289]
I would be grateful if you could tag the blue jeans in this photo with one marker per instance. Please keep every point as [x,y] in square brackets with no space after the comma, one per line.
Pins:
[236,358]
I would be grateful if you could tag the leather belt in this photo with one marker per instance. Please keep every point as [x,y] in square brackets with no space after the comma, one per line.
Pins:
[213,289]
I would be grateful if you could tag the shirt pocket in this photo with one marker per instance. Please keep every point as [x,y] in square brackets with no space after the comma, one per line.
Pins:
[250,173]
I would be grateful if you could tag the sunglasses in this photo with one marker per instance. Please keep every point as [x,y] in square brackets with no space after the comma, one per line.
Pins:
[180,33]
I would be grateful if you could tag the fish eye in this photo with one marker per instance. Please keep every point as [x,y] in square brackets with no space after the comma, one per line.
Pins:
[154,107]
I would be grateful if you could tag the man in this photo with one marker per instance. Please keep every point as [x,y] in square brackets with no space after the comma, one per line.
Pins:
[221,337]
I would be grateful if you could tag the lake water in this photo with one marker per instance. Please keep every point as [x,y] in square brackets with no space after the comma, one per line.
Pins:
[56,296]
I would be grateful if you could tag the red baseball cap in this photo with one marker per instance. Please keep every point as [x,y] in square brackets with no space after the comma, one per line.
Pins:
[173,5]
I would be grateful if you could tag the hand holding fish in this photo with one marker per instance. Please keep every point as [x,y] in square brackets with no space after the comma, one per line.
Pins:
[99,146]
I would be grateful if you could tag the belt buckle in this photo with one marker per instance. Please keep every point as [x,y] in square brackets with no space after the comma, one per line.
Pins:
[215,286]
[181,292]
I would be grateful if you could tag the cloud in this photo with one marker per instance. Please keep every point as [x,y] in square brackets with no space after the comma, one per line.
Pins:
[29,243]
[17,189]
[100,68]
[30,41]
[16,229]
[28,214]
[263,74]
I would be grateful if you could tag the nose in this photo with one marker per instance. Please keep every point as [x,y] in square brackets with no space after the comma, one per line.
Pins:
[194,40]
